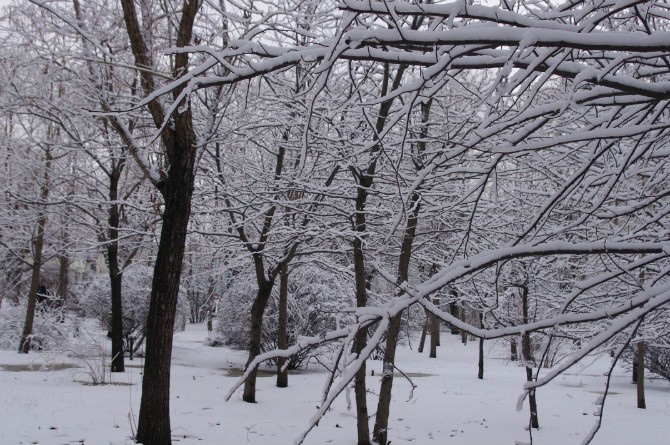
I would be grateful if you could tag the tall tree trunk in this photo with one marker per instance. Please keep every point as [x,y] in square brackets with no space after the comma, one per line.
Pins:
[434,334]
[528,358]
[63,279]
[115,276]
[255,337]
[26,338]
[282,334]
[64,260]
[380,432]
[63,282]
[513,351]
[462,315]
[154,421]
[210,317]
[180,150]
[360,387]
[210,303]
[365,182]
[641,403]
[38,245]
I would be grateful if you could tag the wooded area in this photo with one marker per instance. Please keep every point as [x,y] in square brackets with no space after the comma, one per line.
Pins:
[323,177]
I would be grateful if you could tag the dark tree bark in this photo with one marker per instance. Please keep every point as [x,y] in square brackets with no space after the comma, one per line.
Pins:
[115,276]
[528,358]
[641,403]
[255,336]
[154,421]
[38,245]
[464,335]
[210,317]
[480,365]
[282,334]
[365,180]
[63,277]
[453,311]
[380,432]
[434,334]
[513,351]
[264,281]
[424,332]
[176,187]
[64,260]
[360,388]
[63,281]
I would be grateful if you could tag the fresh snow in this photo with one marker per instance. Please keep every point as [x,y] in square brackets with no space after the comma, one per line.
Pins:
[52,405]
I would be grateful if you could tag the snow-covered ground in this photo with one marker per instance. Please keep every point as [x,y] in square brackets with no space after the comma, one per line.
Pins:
[51,404]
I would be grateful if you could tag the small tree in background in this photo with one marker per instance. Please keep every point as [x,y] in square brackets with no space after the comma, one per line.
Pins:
[315,301]
[94,299]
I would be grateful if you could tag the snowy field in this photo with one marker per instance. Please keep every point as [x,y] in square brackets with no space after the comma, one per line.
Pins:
[45,400]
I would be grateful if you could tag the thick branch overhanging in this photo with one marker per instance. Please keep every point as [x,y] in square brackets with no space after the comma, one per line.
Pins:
[456,9]
[479,42]
[494,36]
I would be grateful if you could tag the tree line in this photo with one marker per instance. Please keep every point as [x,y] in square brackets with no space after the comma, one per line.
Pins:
[502,169]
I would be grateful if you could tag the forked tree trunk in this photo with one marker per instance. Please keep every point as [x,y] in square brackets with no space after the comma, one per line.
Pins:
[365,181]
[641,403]
[380,432]
[265,281]
[180,149]
[361,288]
[282,331]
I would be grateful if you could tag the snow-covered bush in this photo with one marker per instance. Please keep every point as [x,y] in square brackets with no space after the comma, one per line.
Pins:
[48,331]
[657,360]
[95,300]
[315,301]
[656,357]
